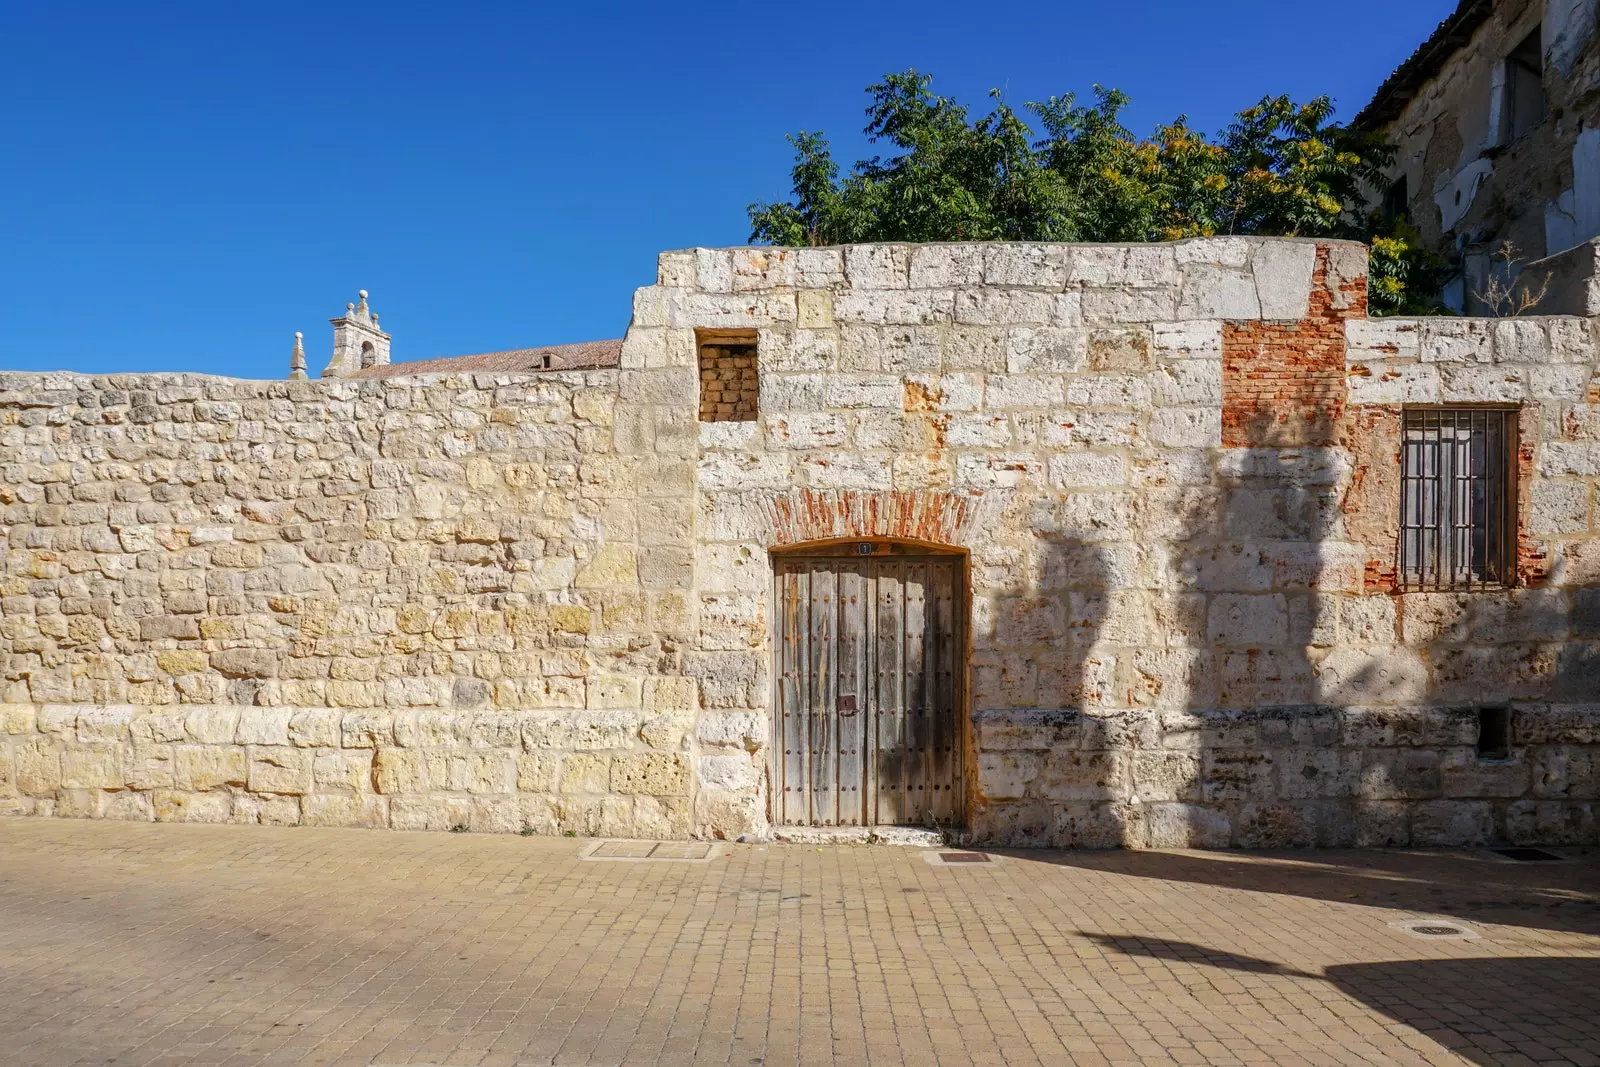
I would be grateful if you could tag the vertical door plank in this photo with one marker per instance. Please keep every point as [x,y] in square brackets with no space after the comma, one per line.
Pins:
[919,735]
[853,698]
[942,704]
[889,708]
[824,719]
[794,664]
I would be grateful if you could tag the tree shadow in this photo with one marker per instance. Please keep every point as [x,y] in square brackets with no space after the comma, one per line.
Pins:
[1489,1010]
[1557,896]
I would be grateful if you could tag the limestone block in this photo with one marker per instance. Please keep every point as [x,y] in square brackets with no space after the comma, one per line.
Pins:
[199,768]
[677,269]
[804,430]
[729,816]
[325,809]
[212,725]
[595,730]
[1023,391]
[714,270]
[585,772]
[1282,272]
[1003,775]
[1446,340]
[1357,676]
[1391,384]
[280,770]
[614,691]
[536,772]
[1247,619]
[657,774]
[878,266]
[918,307]
[1218,293]
[339,769]
[429,812]
[1379,339]
[158,728]
[105,723]
[1559,507]
[176,806]
[1534,822]
[367,729]
[315,727]
[1045,349]
[38,768]
[1176,427]
[670,694]
[92,767]
[1452,823]
[127,807]
[263,726]
[1562,771]
[481,772]
[1185,826]
[611,565]
[946,266]
[397,770]
[17,718]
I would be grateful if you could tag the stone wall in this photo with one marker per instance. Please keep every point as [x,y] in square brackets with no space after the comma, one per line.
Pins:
[543,601]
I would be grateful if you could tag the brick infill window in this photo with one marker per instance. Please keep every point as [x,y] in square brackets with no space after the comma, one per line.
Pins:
[729,379]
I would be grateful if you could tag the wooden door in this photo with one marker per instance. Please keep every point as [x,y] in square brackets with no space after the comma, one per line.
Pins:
[868,690]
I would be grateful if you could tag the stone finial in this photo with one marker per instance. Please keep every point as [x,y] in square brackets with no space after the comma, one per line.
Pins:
[358,341]
[297,359]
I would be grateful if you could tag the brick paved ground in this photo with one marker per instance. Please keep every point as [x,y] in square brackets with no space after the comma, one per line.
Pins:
[130,944]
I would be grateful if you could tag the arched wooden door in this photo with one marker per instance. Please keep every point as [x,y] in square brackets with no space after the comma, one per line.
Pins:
[868,650]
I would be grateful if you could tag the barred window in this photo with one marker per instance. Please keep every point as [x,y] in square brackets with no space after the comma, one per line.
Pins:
[1458,499]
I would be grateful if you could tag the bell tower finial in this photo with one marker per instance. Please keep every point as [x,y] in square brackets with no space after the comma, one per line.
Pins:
[358,342]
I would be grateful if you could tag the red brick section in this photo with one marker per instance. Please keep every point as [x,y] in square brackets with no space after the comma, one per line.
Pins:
[929,518]
[1283,383]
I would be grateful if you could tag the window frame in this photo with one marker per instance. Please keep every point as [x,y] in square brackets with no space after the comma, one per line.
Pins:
[1440,572]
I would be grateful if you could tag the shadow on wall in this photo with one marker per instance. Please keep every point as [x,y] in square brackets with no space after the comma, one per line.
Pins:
[1461,1003]
[1052,775]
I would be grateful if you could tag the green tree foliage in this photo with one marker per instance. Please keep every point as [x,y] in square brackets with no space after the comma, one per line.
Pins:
[1281,168]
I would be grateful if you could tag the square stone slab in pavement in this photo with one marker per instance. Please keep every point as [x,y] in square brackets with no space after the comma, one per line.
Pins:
[156,945]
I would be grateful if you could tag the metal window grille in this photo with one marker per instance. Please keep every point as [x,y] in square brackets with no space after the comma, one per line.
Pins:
[1458,498]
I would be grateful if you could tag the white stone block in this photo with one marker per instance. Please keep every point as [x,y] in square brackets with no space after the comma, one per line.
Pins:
[1006,391]
[1003,471]
[1187,427]
[1283,271]
[1114,305]
[893,308]
[1108,391]
[1378,339]
[1046,348]
[1216,293]
[1088,470]
[1565,381]
[838,469]
[1031,266]
[1457,341]
[818,268]
[714,270]
[1561,459]
[807,430]
[978,430]
[946,266]
[1189,381]
[1521,341]
[1005,307]
[878,266]
[1482,383]
[1363,676]
[744,470]
[1200,339]
[1217,251]
[865,391]
[677,270]
[1248,620]
[1390,384]
[1559,507]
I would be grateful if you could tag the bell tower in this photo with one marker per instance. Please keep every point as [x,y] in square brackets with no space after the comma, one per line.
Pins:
[358,343]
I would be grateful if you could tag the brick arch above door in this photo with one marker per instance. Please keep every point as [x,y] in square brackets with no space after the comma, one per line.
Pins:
[928,517]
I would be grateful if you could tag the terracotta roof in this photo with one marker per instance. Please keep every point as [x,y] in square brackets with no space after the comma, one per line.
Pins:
[1401,87]
[587,355]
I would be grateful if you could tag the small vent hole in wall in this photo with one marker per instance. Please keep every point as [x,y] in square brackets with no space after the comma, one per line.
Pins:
[1494,733]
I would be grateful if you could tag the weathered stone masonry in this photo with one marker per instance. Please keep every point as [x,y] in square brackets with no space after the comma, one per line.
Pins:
[543,601]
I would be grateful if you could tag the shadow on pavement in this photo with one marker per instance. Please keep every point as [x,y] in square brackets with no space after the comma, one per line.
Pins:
[1490,1010]
[1469,886]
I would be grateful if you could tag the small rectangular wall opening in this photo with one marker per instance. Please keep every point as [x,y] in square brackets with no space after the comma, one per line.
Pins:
[730,379]
[1525,102]
[1494,733]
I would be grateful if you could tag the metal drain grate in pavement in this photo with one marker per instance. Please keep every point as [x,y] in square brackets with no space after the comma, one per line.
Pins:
[1436,929]
[948,858]
[1528,855]
[649,851]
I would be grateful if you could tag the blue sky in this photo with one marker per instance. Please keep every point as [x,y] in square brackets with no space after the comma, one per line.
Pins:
[184,185]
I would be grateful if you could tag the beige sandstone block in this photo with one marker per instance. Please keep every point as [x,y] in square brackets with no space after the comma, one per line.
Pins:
[336,810]
[202,767]
[585,772]
[177,806]
[536,772]
[612,565]
[17,718]
[670,694]
[614,691]
[92,767]
[658,774]
[342,769]
[38,768]
[399,770]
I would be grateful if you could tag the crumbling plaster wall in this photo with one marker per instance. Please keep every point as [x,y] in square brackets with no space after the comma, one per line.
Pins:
[542,601]
[1470,187]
